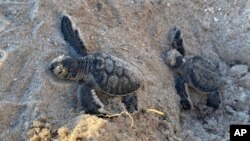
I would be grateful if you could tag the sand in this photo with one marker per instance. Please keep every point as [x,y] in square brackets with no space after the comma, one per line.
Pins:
[135,31]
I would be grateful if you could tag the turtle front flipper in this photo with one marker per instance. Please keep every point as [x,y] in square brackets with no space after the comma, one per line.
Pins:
[214,100]
[72,37]
[87,99]
[182,91]
[176,40]
[131,102]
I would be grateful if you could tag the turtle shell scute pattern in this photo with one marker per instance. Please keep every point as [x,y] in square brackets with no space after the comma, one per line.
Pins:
[205,75]
[112,76]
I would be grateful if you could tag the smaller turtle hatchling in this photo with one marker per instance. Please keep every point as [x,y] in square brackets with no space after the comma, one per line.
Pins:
[194,71]
[96,72]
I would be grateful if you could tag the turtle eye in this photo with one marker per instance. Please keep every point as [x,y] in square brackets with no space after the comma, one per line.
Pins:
[60,71]
[174,28]
[53,66]
[57,69]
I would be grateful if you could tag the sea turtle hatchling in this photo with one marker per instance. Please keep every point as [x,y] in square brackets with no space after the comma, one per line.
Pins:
[195,71]
[96,72]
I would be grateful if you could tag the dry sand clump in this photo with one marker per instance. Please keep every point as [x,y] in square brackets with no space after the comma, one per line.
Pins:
[85,127]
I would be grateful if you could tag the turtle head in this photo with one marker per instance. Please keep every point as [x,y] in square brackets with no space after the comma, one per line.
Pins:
[173,58]
[64,67]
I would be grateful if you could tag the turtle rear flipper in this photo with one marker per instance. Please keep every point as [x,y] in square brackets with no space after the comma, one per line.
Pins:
[214,100]
[88,101]
[72,37]
[131,102]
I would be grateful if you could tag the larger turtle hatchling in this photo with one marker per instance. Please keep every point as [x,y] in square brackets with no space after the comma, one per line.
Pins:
[195,71]
[96,72]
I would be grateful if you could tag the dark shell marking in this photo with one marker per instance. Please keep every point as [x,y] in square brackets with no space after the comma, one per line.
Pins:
[204,75]
[114,76]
